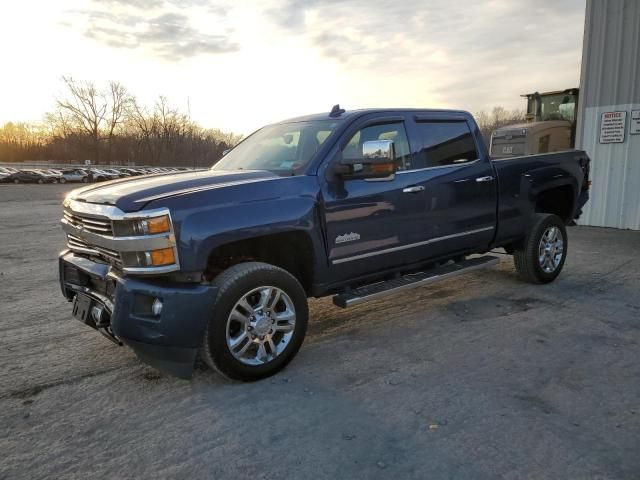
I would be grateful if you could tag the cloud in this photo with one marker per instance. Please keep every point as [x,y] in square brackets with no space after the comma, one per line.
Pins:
[463,53]
[456,45]
[142,4]
[157,26]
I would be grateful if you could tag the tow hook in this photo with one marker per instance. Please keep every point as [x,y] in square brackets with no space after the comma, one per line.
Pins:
[97,313]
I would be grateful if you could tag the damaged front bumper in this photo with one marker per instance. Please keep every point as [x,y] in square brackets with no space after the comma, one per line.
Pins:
[166,335]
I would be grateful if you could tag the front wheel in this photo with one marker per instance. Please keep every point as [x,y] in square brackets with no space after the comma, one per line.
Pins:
[40,181]
[258,322]
[542,255]
[63,180]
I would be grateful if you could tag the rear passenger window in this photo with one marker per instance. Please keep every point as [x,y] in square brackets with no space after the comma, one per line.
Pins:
[386,131]
[445,143]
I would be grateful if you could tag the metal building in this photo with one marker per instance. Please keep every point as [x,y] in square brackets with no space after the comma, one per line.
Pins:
[609,105]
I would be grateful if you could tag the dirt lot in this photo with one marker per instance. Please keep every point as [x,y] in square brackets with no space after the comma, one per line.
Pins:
[478,377]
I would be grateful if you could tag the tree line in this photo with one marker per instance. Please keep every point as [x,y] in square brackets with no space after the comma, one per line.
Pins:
[108,125]
[498,117]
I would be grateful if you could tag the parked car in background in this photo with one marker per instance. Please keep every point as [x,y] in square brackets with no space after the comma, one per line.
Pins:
[51,176]
[83,174]
[75,175]
[56,174]
[28,176]
[117,173]
[132,172]
[8,170]
[100,175]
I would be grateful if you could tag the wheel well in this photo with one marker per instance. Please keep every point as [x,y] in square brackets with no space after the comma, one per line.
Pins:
[291,251]
[558,200]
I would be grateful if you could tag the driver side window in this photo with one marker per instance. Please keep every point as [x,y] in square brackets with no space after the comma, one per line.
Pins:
[385,131]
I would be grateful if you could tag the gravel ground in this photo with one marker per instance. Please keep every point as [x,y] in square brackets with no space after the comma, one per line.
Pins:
[478,377]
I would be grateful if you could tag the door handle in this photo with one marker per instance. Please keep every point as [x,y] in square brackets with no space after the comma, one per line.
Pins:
[413,189]
[488,178]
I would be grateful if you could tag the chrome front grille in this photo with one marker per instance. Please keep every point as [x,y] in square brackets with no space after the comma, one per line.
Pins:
[106,254]
[101,226]
[91,233]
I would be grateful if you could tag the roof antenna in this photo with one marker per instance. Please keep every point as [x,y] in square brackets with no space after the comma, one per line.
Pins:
[336,111]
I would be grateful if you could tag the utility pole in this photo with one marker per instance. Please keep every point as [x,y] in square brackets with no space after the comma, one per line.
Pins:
[191,139]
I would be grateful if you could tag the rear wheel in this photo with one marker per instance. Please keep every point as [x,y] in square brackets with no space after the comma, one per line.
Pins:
[63,180]
[542,255]
[40,181]
[258,322]
[16,181]
[85,180]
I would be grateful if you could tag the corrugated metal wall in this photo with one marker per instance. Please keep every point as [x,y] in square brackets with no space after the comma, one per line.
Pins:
[610,81]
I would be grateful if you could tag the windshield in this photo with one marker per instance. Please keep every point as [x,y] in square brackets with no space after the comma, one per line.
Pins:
[560,106]
[284,148]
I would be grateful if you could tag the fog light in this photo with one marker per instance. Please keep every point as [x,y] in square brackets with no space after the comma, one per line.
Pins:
[162,257]
[156,307]
[152,258]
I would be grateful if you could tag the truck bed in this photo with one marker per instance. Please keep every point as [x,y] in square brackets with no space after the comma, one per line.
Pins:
[521,179]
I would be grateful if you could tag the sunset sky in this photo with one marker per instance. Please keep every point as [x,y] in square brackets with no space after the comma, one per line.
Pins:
[242,64]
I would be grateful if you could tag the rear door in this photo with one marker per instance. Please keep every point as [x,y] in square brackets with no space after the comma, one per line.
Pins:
[460,188]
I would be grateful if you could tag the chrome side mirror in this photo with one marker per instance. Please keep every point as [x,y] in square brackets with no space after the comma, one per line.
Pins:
[378,161]
[378,151]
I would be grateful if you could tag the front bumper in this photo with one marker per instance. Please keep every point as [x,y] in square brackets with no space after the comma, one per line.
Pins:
[168,341]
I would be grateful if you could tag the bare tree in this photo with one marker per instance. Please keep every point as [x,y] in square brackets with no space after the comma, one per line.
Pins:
[110,124]
[499,117]
[87,108]
[117,108]
[142,126]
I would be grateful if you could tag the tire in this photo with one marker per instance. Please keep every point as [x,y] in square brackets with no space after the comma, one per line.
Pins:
[40,181]
[234,285]
[85,180]
[63,180]
[16,181]
[541,261]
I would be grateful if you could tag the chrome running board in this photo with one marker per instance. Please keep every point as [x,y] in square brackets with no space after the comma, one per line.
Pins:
[406,282]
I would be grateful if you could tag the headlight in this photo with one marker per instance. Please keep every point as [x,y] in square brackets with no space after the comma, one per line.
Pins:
[153,235]
[149,226]
[142,226]
[141,243]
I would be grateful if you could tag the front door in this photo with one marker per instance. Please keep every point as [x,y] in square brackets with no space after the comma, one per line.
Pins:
[371,224]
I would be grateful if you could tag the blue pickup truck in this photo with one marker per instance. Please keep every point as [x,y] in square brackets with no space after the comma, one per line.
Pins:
[360,204]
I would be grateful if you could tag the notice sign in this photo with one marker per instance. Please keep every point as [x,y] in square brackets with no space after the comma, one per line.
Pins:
[612,126]
[634,129]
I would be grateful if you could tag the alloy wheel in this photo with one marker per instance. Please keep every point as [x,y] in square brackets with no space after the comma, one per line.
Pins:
[550,249]
[260,325]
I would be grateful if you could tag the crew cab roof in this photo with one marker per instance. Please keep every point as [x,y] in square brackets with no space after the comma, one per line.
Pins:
[350,114]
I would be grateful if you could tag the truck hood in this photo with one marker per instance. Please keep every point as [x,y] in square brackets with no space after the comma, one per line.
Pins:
[132,194]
